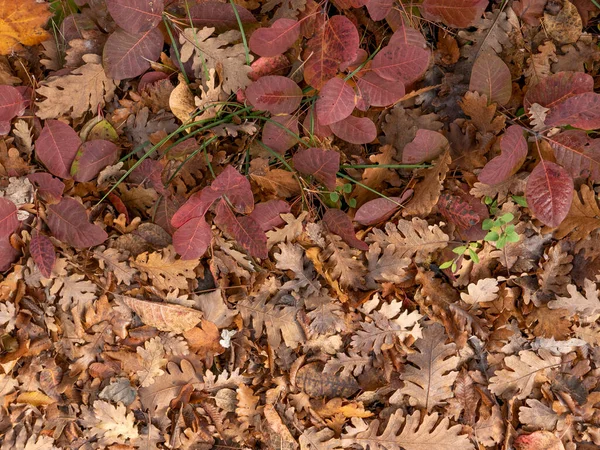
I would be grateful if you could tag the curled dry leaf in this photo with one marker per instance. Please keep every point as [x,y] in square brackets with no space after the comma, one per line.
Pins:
[163,316]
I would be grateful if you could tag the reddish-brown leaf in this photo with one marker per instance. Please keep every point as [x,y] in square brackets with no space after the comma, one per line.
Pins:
[92,157]
[11,104]
[163,316]
[552,90]
[401,62]
[276,39]
[244,229]
[356,130]
[219,15]
[549,193]
[335,102]
[426,145]
[312,127]
[8,218]
[376,91]
[336,42]
[577,152]
[69,223]
[491,77]
[50,189]
[193,238]
[454,13]
[274,93]
[56,147]
[237,189]
[280,137]
[579,111]
[379,209]
[378,9]
[136,16]
[458,210]
[42,252]
[127,55]
[514,152]
[406,35]
[339,223]
[263,66]
[322,164]
[268,214]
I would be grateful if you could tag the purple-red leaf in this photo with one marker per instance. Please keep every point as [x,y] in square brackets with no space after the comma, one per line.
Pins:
[335,102]
[237,189]
[552,90]
[577,152]
[378,9]
[274,93]
[549,193]
[579,111]
[128,55]
[454,13]
[336,42]
[136,16]
[219,15]
[244,229]
[11,104]
[56,147]
[69,223]
[50,189]
[92,157]
[426,145]
[376,91]
[401,62]
[407,35]
[268,214]
[514,152]
[278,138]
[379,209]
[312,126]
[339,223]
[8,218]
[458,210]
[193,238]
[321,164]
[42,252]
[276,39]
[263,66]
[491,77]
[356,130]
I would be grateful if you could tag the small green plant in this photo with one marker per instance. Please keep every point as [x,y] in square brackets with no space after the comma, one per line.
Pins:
[465,251]
[500,230]
[339,191]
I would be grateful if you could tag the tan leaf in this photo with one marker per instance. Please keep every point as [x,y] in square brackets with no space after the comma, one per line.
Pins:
[583,217]
[153,360]
[113,260]
[485,290]
[215,309]
[538,415]
[490,431]
[566,26]
[166,272]
[163,316]
[374,177]
[181,101]
[75,290]
[204,340]
[290,231]
[427,192]
[113,423]
[576,303]
[483,116]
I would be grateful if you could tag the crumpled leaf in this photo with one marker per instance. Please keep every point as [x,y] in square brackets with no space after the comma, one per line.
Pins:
[163,316]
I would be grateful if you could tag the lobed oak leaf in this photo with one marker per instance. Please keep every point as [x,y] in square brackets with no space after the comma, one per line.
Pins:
[112,260]
[584,305]
[127,55]
[583,218]
[164,270]
[136,16]
[112,423]
[538,415]
[322,164]
[12,104]
[484,291]
[491,77]
[549,193]
[56,147]
[356,130]
[152,361]
[21,22]
[69,223]
[514,152]
[336,101]
[274,93]
[276,39]
[454,13]
[315,439]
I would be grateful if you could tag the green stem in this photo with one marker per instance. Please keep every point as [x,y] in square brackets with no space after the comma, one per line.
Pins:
[181,67]
[241,26]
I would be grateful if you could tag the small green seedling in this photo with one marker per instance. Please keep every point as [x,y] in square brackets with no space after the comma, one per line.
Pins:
[500,231]
[464,251]
[339,190]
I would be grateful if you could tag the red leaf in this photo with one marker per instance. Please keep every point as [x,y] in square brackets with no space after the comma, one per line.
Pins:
[274,93]
[245,230]
[165,209]
[579,111]
[336,42]
[514,152]
[42,252]
[237,189]
[378,9]
[136,16]
[405,35]
[426,145]
[552,90]
[11,104]
[322,164]
[491,77]
[335,102]
[193,238]
[69,223]
[268,214]
[277,138]
[56,147]
[454,13]
[549,193]
[379,209]
[356,130]
[7,254]
[377,91]
[150,170]
[276,39]
[339,223]
[263,66]
[458,210]
[50,189]
[219,15]
[195,206]
[402,62]
[577,152]
[313,127]
[129,55]
[8,218]
[119,205]
[92,157]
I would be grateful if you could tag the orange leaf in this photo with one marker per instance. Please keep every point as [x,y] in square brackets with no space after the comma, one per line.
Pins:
[21,22]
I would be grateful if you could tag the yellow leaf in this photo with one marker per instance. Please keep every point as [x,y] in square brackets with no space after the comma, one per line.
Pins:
[21,22]
[35,399]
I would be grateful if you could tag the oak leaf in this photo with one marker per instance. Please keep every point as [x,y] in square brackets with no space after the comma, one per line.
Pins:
[164,270]
[153,360]
[583,217]
[112,423]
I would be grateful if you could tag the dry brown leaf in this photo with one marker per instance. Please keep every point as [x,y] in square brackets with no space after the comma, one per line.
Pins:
[21,22]
[165,272]
[374,178]
[427,192]
[204,340]
[583,217]
[163,316]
